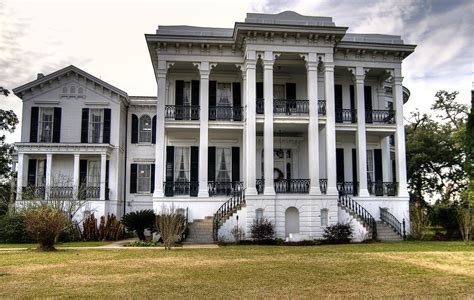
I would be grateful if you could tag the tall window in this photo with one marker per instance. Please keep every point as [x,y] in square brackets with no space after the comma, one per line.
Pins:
[93,173]
[40,171]
[259,215]
[187,93]
[143,178]
[223,164]
[144,129]
[224,94]
[96,120]
[324,217]
[46,124]
[370,166]
[279,91]
[181,164]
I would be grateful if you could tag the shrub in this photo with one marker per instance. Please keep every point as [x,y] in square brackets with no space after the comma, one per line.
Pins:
[144,244]
[13,229]
[139,221]
[171,226]
[446,215]
[90,232]
[238,233]
[338,234]
[72,233]
[44,224]
[110,229]
[262,230]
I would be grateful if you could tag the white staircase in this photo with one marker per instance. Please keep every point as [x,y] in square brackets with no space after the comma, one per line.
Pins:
[200,231]
[386,233]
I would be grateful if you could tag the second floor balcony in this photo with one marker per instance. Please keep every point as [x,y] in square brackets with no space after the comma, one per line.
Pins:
[182,112]
[290,107]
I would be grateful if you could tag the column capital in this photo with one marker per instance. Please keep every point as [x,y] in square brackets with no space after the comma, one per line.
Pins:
[397,80]
[250,64]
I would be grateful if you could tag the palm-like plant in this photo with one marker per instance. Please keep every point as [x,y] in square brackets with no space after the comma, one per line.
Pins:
[139,221]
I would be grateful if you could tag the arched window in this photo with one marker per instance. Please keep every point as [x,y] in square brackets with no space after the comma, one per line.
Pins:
[144,129]
[80,90]
[73,89]
[65,90]
[292,221]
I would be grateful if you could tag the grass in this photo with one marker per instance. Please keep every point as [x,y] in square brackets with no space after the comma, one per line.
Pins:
[408,269]
[69,244]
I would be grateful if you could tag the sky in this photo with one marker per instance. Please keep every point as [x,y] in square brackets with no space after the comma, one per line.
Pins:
[106,38]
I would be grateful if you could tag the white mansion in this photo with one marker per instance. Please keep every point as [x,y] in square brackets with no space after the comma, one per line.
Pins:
[285,117]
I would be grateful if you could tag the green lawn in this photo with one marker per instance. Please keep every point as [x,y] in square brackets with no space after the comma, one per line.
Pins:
[70,244]
[409,269]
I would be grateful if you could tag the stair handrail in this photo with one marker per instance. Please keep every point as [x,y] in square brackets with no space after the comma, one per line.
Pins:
[393,222]
[345,201]
[237,198]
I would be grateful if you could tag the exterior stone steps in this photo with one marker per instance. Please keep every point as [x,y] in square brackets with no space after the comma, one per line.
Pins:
[200,231]
[386,233]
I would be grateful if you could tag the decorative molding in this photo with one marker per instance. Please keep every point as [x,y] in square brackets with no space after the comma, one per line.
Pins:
[97,103]
[46,102]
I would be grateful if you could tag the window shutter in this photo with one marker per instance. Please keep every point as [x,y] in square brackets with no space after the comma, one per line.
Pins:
[169,163]
[352,100]
[211,164]
[212,99]
[290,91]
[152,178]
[34,124]
[378,168]
[82,172]
[133,178]
[235,164]
[368,103]
[179,92]
[57,125]
[354,171]
[237,101]
[195,92]
[31,172]
[134,129]
[340,164]
[107,172]
[259,90]
[194,176]
[338,102]
[85,125]
[153,130]
[106,133]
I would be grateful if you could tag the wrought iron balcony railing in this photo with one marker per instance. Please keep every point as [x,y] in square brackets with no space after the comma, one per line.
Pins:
[182,112]
[292,186]
[226,113]
[216,188]
[348,187]
[323,185]
[346,115]
[322,107]
[380,188]
[380,116]
[290,107]
[63,193]
[174,188]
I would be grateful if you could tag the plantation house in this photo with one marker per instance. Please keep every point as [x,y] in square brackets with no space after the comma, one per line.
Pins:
[285,117]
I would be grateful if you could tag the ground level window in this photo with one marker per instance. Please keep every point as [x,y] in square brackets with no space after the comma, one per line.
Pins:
[143,178]
[324,217]
[259,215]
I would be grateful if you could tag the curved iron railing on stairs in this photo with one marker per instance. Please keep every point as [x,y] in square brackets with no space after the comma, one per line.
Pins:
[227,209]
[393,222]
[350,204]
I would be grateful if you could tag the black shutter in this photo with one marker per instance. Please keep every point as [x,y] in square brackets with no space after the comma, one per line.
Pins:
[194,98]
[354,170]
[31,172]
[153,130]
[85,125]
[394,171]
[368,103]
[259,90]
[212,100]
[194,176]
[134,129]
[353,106]
[152,178]
[169,171]
[82,172]
[211,164]
[340,164]
[133,178]
[378,165]
[57,125]
[107,172]
[34,125]
[237,101]
[179,99]
[290,91]
[106,133]
[338,102]
[235,164]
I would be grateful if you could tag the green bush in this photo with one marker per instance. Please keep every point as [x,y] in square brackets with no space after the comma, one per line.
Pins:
[446,216]
[144,244]
[139,221]
[13,229]
[262,231]
[72,233]
[338,234]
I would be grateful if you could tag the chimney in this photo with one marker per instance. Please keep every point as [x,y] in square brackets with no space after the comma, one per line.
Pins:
[40,75]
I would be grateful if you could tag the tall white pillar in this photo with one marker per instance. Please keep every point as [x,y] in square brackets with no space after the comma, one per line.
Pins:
[160,130]
[330,124]
[359,77]
[244,136]
[268,125]
[204,72]
[400,156]
[251,130]
[75,176]
[49,163]
[103,164]
[19,177]
[386,164]
[313,126]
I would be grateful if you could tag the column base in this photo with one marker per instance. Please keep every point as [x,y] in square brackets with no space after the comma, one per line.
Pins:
[203,194]
[315,191]
[403,193]
[158,194]
[363,193]
[251,190]
[269,191]
[332,191]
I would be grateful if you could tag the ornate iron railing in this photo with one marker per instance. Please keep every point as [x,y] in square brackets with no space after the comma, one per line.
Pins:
[380,188]
[216,188]
[323,185]
[346,115]
[355,208]
[260,105]
[292,186]
[32,192]
[61,192]
[182,112]
[380,116]
[176,188]
[226,113]
[393,222]
[235,202]
[322,107]
[260,185]
[290,107]
[348,187]
[89,192]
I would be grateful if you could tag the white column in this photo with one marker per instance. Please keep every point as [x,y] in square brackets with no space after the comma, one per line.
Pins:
[49,163]
[330,124]
[103,163]
[19,177]
[268,125]
[244,131]
[251,130]
[386,164]
[400,157]
[160,130]
[204,71]
[75,176]
[313,126]
[359,77]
